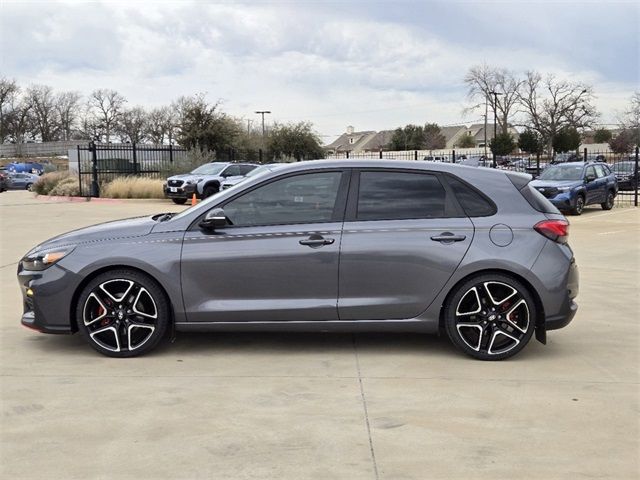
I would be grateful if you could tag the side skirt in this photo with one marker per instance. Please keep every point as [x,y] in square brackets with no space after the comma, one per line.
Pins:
[422,326]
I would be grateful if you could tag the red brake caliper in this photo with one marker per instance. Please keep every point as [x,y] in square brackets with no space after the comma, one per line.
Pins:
[104,321]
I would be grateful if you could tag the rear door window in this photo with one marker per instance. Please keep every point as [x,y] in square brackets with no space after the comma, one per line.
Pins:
[384,195]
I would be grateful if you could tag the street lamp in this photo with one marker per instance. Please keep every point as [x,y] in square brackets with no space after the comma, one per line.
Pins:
[495,124]
[262,112]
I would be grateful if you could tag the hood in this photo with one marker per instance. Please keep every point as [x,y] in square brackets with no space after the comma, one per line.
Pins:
[132,227]
[555,183]
[185,176]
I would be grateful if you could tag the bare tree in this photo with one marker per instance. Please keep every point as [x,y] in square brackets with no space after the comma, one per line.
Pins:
[106,106]
[631,117]
[19,119]
[43,107]
[159,125]
[552,105]
[482,80]
[67,105]
[8,91]
[132,125]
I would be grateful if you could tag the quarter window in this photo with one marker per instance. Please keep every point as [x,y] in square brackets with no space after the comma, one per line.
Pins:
[473,203]
[400,195]
[308,198]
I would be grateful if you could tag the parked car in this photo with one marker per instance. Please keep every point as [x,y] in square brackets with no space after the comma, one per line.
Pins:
[330,245]
[566,158]
[437,158]
[572,186]
[204,181]
[476,161]
[25,167]
[627,173]
[232,181]
[4,180]
[22,181]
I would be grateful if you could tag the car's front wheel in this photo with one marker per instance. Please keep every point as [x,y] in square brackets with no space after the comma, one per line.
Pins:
[179,201]
[123,313]
[608,203]
[579,206]
[490,317]
[210,190]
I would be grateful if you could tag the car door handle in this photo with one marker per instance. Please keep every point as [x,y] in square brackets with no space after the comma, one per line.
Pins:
[315,241]
[448,237]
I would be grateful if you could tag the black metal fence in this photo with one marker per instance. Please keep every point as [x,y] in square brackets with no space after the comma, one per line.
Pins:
[100,163]
[624,166]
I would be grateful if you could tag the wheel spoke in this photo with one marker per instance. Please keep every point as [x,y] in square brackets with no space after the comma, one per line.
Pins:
[502,296]
[102,311]
[138,305]
[521,304]
[498,332]
[472,292]
[467,326]
[118,297]
[111,329]
[141,326]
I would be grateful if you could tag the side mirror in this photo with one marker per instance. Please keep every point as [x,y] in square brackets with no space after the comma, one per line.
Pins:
[214,219]
[590,178]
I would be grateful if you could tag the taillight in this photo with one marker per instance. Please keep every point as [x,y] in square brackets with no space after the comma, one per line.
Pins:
[556,230]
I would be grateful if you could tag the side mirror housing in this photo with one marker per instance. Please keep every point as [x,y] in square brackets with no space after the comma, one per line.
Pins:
[590,178]
[213,220]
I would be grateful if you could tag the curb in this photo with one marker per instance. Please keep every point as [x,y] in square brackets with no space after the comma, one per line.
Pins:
[61,198]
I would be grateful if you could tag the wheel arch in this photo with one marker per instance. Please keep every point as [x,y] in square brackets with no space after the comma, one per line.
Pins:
[540,316]
[85,281]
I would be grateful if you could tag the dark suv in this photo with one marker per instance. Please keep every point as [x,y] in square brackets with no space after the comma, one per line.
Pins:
[572,186]
[330,245]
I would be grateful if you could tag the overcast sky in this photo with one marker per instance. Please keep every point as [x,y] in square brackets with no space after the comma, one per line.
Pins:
[371,64]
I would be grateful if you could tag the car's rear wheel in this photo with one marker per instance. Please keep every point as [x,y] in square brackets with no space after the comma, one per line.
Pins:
[179,201]
[28,186]
[123,313]
[579,206]
[490,317]
[608,203]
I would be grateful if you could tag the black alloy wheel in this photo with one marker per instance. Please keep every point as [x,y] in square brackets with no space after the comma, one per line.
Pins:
[490,317]
[122,313]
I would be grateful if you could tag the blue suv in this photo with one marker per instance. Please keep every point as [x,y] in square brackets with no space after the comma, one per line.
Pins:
[572,186]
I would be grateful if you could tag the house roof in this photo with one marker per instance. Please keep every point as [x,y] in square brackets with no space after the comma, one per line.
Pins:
[344,144]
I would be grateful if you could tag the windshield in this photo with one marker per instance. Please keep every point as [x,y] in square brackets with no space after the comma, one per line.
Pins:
[563,172]
[209,169]
[623,167]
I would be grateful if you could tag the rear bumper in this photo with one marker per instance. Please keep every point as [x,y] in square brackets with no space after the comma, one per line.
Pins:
[569,307]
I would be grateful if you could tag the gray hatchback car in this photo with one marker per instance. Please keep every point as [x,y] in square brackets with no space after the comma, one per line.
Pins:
[356,245]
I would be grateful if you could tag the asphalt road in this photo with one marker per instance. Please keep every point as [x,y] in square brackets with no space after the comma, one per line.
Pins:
[324,406]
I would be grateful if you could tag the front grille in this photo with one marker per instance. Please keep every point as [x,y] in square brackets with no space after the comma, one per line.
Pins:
[548,192]
[175,183]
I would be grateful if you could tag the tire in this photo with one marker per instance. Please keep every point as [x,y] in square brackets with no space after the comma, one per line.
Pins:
[28,187]
[179,201]
[488,334]
[579,206]
[123,313]
[210,190]
[608,203]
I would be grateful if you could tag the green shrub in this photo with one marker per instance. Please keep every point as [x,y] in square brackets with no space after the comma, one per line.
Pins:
[48,181]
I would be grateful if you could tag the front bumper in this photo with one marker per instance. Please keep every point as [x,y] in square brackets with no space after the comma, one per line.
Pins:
[185,191]
[563,201]
[47,297]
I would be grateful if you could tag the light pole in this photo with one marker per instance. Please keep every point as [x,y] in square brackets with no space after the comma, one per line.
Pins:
[262,112]
[495,124]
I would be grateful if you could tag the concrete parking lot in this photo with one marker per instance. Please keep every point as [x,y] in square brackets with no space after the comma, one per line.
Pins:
[324,406]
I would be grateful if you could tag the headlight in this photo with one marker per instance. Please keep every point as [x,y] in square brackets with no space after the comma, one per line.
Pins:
[43,259]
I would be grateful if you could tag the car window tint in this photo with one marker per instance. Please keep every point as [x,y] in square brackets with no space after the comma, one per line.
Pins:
[244,169]
[399,195]
[232,171]
[308,198]
[600,171]
[473,203]
[590,172]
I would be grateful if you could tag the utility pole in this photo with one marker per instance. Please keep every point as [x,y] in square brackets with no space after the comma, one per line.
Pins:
[262,112]
[495,124]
